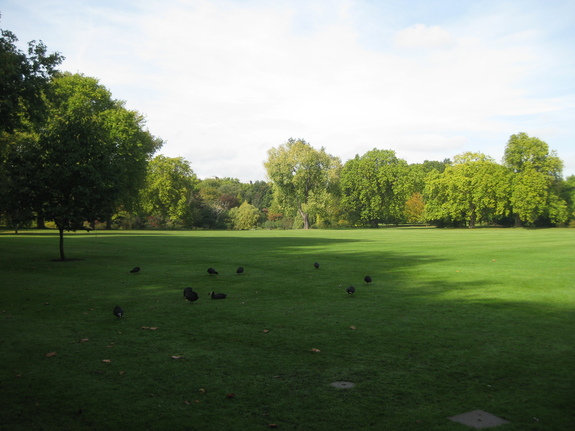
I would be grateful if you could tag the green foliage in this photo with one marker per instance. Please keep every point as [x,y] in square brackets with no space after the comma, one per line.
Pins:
[303,178]
[24,79]
[472,190]
[246,216]
[535,186]
[375,187]
[167,196]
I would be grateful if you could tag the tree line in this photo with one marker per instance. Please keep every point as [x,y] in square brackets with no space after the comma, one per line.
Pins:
[73,157]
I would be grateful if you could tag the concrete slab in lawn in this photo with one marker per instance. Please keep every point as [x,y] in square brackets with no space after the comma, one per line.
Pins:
[343,385]
[478,419]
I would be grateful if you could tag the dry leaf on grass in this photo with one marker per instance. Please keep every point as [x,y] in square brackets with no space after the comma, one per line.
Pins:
[202,390]
[121,373]
[106,361]
[352,327]
[266,330]
[230,395]
[176,357]
[49,355]
[83,340]
[315,350]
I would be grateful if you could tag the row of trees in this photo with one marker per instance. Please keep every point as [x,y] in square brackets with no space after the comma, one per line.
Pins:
[70,154]
[378,187]
[311,188]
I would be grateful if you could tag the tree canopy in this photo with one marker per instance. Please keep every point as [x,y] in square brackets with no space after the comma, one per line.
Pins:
[303,177]
[24,80]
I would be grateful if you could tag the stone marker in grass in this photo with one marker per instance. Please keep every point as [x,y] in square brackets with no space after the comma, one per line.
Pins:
[478,419]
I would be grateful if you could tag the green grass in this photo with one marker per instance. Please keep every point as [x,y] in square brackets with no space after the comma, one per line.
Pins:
[455,320]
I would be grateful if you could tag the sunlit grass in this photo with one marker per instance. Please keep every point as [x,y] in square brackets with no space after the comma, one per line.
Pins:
[455,320]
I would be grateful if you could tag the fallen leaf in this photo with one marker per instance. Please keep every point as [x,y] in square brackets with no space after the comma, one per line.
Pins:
[202,390]
[106,361]
[49,355]
[315,350]
[231,395]
[121,373]
[110,346]
[272,425]
[188,402]
[153,328]
[46,303]
[352,327]
[145,327]
[176,357]
[266,330]
[83,340]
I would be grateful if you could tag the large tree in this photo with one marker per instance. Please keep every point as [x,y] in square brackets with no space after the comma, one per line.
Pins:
[303,177]
[168,195]
[88,153]
[375,187]
[535,181]
[474,189]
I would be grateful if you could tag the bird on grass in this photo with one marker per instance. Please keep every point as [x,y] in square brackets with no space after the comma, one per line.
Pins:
[218,295]
[136,269]
[240,270]
[190,295]
[350,290]
[316,265]
[118,312]
[367,279]
[212,271]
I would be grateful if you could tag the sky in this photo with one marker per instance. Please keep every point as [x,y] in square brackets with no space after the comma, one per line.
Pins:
[223,81]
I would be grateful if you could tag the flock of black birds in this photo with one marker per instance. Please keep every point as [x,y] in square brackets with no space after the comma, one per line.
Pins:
[192,296]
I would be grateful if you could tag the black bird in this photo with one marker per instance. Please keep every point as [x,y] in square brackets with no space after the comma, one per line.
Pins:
[190,295]
[367,279]
[136,269]
[118,311]
[218,295]
[212,271]
[316,265]
[240,270]
[350,290]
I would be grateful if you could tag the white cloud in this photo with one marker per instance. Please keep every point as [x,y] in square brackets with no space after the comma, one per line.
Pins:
[422,36]
[222,82]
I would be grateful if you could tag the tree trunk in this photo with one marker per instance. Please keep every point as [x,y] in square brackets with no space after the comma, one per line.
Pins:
[472,219]
[518,222]
[40,222]
[62,256]
[305,217]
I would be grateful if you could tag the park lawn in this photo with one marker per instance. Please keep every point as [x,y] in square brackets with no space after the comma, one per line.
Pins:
[455,320]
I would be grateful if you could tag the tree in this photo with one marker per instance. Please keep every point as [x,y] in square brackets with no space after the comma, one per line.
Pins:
[375,187]
[246,216]
[303,177]
[169,190]
[80,161]
[259,194]
[536,176]
[472,190]
[23,81]
[132,146]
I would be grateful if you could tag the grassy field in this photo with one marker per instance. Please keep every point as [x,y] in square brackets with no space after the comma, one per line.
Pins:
[454,321]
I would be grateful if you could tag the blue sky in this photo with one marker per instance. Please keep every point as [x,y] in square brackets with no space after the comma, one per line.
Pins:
[224,81]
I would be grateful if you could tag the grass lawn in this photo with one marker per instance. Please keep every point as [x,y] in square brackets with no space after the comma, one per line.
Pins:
[454,321]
